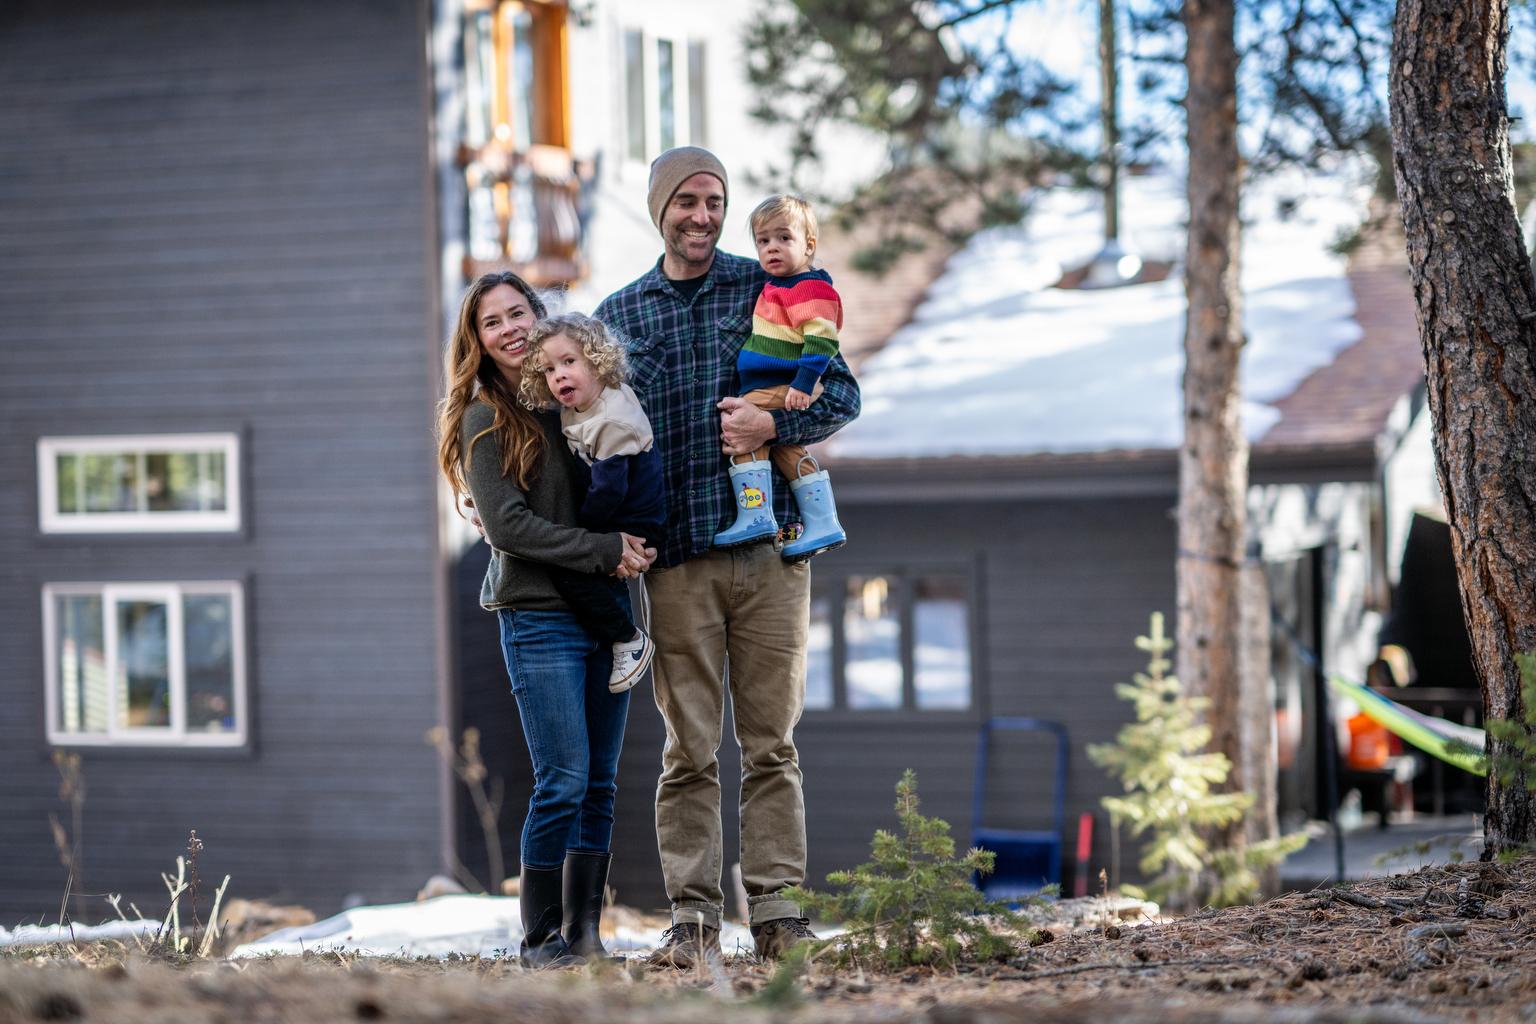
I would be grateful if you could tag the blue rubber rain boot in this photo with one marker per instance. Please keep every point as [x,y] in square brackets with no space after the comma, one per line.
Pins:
[752,484]
[813,496]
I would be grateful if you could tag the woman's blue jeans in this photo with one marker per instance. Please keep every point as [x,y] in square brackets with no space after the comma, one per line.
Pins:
[574,728]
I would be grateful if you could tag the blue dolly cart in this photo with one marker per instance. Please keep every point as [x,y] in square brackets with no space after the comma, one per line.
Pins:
[1027,859]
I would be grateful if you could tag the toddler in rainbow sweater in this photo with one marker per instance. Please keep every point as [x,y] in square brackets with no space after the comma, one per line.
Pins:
[794,337]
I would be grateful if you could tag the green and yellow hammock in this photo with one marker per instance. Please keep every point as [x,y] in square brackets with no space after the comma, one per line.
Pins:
[1455,744]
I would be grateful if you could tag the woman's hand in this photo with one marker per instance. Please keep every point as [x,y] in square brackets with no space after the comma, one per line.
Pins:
[474,517]
[636,557]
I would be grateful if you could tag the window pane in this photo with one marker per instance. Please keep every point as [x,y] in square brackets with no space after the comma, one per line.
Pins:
[67,470]
[634,93]
[696,94]
[143,665]
[182,486]
[144,482]
[82,661]
[523,240]
[941,644]
[666,102]
[157,483]
[520,78]
[479,78]
[818,656]
[207,620]
[171,483]
[872,633]
[213,489]
[111,482]
[484,226]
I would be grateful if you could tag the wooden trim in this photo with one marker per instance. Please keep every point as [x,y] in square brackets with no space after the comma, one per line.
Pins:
[558,96]
[501,46]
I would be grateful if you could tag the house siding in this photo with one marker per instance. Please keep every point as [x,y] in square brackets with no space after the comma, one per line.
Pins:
[1066,586]
[218,218]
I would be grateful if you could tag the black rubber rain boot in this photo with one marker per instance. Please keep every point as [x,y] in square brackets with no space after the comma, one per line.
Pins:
[586,882]
[539,903]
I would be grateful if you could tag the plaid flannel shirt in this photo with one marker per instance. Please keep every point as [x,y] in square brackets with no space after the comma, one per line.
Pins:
[682,357]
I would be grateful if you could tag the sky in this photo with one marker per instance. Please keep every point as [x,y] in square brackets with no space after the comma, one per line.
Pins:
[1063,34]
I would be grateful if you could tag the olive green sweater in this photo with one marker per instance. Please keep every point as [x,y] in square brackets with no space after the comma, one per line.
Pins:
[533,527]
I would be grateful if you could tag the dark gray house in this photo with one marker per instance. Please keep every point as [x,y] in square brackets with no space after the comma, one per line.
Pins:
[219,528]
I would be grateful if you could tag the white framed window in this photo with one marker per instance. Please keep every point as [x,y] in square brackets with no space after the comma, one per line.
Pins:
[147,483]
[145,664]
[665,94]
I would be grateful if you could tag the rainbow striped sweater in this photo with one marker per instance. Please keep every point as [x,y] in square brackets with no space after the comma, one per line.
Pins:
[794,333]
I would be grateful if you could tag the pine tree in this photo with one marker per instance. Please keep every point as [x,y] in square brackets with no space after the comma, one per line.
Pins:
[1474,292]
[1171,781]
[914,901]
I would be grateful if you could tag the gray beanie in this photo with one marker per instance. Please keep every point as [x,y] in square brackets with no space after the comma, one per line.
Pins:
[672,168]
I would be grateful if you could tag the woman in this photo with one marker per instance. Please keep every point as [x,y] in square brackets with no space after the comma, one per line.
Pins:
[515,465]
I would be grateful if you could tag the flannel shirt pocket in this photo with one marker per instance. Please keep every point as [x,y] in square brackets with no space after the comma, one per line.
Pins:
[734,332]
[647,362]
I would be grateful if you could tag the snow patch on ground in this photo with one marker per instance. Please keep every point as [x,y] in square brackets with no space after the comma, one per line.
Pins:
[46,934]
[464,924]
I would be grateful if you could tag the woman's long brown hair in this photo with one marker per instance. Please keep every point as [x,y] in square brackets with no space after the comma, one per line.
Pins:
[470,375]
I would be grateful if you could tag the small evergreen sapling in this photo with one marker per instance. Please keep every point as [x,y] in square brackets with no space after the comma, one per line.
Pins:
[914,901]
[1169,778]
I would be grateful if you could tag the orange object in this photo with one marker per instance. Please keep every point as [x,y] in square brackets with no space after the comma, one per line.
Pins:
[1369,743]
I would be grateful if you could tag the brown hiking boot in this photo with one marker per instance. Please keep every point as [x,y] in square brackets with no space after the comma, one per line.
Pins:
[773,939]
[683,945]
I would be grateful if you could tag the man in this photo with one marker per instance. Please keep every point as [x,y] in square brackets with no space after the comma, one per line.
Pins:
[736,617]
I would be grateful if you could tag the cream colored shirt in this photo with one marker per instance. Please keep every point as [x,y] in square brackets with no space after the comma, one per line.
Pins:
[613,425]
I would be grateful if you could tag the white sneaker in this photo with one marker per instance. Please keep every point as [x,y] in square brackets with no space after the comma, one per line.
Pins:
[630,660]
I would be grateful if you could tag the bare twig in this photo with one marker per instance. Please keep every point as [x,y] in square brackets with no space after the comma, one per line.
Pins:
[484,791]
[1083,968]
[1357,900]
[213,919]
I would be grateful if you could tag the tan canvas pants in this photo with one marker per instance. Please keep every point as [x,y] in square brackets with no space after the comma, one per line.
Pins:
[786,457]
[747,609]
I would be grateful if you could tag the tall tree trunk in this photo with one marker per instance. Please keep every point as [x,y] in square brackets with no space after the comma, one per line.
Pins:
[1109,117]
[1259,768]
[1477,320]
[1213,463]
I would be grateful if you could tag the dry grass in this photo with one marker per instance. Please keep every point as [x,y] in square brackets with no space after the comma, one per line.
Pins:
[1442,944]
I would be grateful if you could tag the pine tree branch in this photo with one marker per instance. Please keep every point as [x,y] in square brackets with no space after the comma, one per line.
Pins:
[985,8]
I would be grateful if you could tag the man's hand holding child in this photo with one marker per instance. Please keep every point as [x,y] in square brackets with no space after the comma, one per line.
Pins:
[744,428]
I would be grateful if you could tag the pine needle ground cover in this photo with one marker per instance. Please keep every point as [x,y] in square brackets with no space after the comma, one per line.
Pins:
[1442,944]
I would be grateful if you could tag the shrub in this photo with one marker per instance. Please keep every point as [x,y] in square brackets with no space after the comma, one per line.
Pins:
[914,901]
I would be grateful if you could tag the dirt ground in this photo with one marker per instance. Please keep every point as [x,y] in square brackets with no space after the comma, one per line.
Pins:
[1442,944]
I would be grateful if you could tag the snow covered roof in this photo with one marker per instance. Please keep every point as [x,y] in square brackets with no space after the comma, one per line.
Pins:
[997,362]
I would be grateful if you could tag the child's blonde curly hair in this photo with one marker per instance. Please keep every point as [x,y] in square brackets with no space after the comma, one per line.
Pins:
[597,346]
